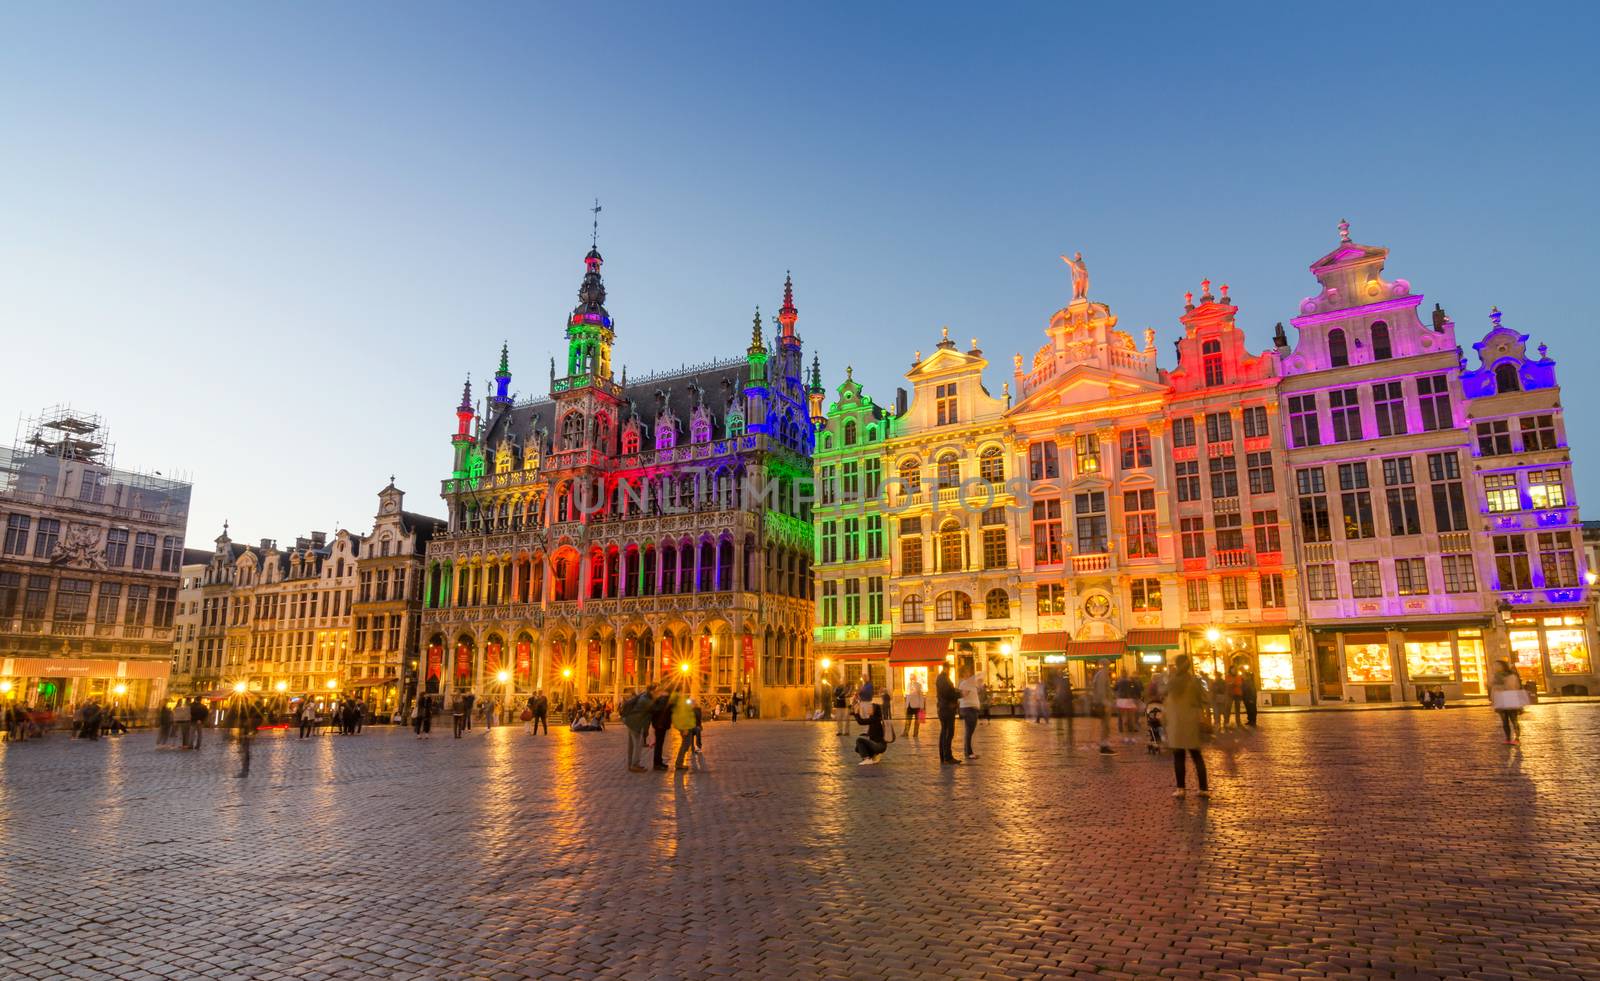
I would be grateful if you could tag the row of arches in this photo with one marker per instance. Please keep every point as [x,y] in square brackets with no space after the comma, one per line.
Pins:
[947,469]
[713,488]
[955,604]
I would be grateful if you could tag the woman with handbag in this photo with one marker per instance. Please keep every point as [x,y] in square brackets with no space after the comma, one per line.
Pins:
[1509,698]
[880,732]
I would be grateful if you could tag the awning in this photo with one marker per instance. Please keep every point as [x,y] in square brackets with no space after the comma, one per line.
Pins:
[919,650]
[1152,640]
[370,682]
[1096,648]
[1047,643]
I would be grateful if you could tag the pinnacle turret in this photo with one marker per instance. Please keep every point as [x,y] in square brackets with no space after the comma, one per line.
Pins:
[787,314]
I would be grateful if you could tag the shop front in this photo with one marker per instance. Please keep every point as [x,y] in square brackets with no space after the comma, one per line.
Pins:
[1268,651]
[1552,650]
[916,660]
[1391,664]
[137,687]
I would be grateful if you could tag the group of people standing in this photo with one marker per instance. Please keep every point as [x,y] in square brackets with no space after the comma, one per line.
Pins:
[347,713]
[652,711]
[183,719]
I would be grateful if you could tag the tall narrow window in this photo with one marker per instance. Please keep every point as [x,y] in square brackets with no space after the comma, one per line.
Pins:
[1382,350]
[1303,426]
[1449,497]
[1389,408]
[1187,473]
[1135,449]
[1211,357]
[1338,348]
[1042,461]
[1090,511]
[1139,523]
[1400,492]
[1047,541]
[911,476]
[1344,409]
[945,404]
[1355,501]
[1315,525]
[1433,396]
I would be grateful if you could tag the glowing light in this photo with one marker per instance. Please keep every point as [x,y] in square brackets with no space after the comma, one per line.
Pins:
[503,676]
[332,684]
[5,687]
[828,663]
[281,686]
[566,672]
[1213,635]
[120,689]
[239,687]
[1005,648]
[683,667]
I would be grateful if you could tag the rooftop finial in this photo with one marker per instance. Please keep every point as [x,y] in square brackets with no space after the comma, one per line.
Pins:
[849,373]
[1344,229]
[1494,316]
[1205,291]
[594,235]
[787,314]
[466,392]
[505,355]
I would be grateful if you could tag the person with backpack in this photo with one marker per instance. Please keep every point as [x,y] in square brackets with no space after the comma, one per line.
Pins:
[636,713]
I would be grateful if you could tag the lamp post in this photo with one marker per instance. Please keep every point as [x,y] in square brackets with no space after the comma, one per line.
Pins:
[504,677]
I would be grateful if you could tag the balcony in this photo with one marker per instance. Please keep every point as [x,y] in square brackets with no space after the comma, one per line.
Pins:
[1093,562]
[1455,541]
[1232,558]
[1319,551]
[1224,448]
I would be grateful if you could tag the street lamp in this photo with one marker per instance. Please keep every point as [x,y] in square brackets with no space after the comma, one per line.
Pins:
[281,687]
[5,687]
[239,687]
[332,684]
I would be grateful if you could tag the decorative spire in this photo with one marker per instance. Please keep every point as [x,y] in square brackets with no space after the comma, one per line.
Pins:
[757,345]
[1344,230]
[502,378]
[787,314]
[1205,291]
[466,394]
[1224,297]
[505,356]
[945,343]
[849,373]
[1188,301]
[1494,317]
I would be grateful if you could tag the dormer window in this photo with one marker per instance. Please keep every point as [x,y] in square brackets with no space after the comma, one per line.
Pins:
[666,436]
[700,428]
[630,441]
[1211,359]
[1382,349]
[945,404]
[1506,379]
[1338,348]
[572,431]
[850,433]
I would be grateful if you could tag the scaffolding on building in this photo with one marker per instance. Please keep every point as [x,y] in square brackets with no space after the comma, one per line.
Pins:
[54,444]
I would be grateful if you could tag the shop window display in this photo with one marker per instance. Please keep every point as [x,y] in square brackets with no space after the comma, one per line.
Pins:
[1429,660]
[1275,665]
[1366,664]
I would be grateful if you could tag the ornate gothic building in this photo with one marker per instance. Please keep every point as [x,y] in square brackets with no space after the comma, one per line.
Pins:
[620,531]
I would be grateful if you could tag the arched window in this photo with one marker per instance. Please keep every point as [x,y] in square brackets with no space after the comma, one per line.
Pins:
[992,465]
[700,428]
[949,471]
[1211,358]
[1382,350]
[1338,349]
[997,605]
[602,432]
[911,475]
[872,433]
[952,606]
[911,610]
[571,431]
[1506,378]
[630,441]
[826,442]
[666,435]
[850,433]
[735,424]
[950,546]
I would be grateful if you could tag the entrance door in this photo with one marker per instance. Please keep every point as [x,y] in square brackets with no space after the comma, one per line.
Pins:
[1328,675]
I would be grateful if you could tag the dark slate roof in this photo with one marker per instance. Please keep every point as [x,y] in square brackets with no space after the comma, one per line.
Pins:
[424,526]
[197,556]
[721,383]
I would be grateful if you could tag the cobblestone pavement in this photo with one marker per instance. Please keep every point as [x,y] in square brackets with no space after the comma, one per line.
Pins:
[1409,844]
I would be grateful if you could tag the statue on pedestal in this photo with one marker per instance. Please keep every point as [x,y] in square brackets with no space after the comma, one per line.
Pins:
[1080,276]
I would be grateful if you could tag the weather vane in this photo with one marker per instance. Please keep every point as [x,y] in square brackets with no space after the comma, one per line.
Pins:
[594,237]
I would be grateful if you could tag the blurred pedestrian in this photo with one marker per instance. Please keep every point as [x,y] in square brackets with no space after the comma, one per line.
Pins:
[947,699]
[841,709]
[660,722]
[1129,691]
[164,723]
[1183,710]
[180,722]
[1100,704]
[541,712]
[197,720]
[636,713]
[1509,697]
[1251,693]
[971,701]
[247,718]
[916,700]
[683,720]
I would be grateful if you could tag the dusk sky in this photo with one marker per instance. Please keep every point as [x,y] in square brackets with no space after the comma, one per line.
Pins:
[268,242]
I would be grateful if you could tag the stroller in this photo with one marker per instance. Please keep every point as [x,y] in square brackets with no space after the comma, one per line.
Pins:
[1154,724]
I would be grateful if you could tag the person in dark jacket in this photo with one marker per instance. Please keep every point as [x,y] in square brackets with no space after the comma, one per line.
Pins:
[541,712]
[660,722]
[246,719]
[947,698]
[871,745]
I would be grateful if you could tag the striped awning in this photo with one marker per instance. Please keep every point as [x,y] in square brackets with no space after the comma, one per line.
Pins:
[1152,640]
[919,650]
[1052,642]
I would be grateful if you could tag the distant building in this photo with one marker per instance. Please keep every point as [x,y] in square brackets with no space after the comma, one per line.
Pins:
[89,568]
[186,626]
[386,657]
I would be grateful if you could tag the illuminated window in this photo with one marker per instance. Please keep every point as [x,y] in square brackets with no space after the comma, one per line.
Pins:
[1545,489]
[1042,461]
[992,465]
[1368,663]
[1501,490]
[1088,454]
[1050,599]
[1139,523]
[1355,501]
[1145,595]
[1429,660]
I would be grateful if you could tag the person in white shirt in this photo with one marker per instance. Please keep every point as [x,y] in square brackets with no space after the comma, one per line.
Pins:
[915,701]
[971,701]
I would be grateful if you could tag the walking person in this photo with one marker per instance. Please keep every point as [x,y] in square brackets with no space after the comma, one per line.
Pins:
[636,713]
[307,713]
[916,700]
[247,719]
[458,715]
[872,744]
[1129,691]
[468,703]
[1235,709]
[660,722]
[197,720]
[180,722]
[971,701]
[1100,704]
[1183,708]
[683,720]
[1509,698]
[947,698]
[841,708]
[1251,693]
[423,721]
[733,705]
[164,721]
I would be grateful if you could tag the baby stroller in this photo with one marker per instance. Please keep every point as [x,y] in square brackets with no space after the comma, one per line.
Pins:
[1154,725]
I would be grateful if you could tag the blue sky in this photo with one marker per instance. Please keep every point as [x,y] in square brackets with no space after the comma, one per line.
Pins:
[267,242]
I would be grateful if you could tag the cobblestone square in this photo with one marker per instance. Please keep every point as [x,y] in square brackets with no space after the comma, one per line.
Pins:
[1339,844]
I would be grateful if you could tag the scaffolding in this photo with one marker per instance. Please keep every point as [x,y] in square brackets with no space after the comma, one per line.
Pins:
[61,440]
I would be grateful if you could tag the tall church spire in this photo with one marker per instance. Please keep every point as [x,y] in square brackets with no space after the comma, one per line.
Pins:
[590,332]
[787,314]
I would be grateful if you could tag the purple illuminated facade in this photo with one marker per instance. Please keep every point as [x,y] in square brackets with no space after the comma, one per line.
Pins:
[1401,586]
[1531,539]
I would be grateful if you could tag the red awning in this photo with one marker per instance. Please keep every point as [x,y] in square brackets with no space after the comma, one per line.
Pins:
[1048,643]
[1153,640]
[1096,648]
[919,650]
[857,655]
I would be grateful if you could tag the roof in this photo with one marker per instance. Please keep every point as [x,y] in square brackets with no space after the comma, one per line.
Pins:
[424,526]
[197,556]
[719,381]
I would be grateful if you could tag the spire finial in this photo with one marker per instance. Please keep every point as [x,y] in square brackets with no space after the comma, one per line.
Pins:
[391,480]
[466,392]
[1344,230]
[505,355]
[787,314]
[594,235]
[849,372]
[1494,316]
